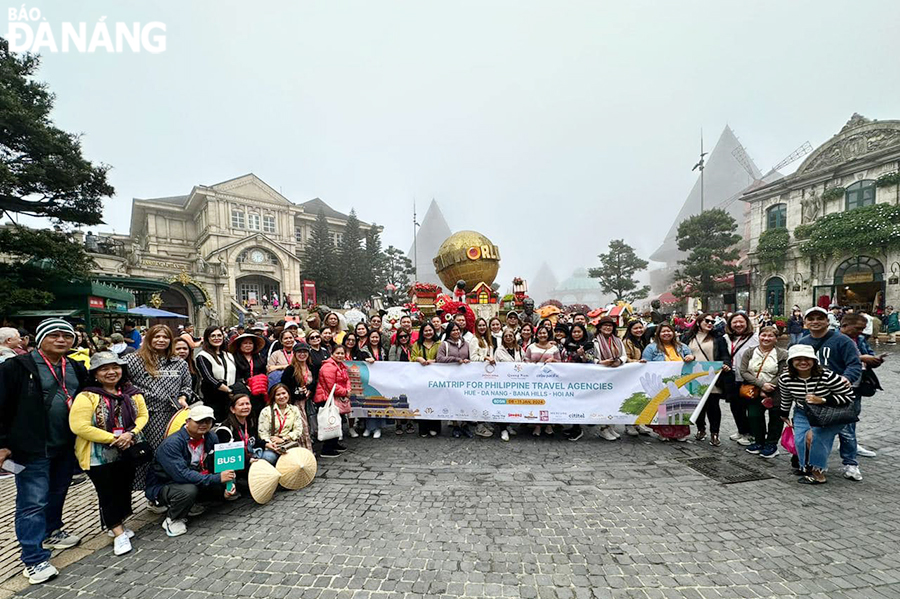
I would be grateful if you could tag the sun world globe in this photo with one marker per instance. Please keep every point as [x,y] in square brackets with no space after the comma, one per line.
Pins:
[467,256]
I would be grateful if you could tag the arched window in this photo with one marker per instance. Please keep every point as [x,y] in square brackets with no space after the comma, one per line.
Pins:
[861,269]
[861,193]
[775,296]
[776,217]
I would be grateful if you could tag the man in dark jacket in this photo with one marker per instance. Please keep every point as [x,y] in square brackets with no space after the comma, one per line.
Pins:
[180,475]
[36,390]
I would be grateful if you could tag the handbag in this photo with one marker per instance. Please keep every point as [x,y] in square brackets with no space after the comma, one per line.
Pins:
[868,383]
[825,415]
[329,419]
[787,440]
[138,454]
[748,391]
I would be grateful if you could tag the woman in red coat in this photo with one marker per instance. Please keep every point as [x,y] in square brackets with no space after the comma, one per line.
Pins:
[333,373]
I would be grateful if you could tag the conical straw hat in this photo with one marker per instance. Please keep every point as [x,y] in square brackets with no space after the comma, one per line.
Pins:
[177,421]
[297,468]
[263,480]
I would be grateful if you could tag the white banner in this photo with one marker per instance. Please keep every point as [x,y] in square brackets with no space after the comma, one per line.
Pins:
[666,393]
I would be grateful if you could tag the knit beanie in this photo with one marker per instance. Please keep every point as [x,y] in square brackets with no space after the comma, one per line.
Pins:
[52,325]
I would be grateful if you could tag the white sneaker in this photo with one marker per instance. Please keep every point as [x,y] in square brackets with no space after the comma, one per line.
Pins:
[128,532]
[366,433]
[852,473]
[41,572]
[482,431]
[631,431]
[512,431]
[644,430]
[607,433]
[504,435]
[433,433]
[60,539]
[376,434]
[121,545]
[174,528]
[863,452]
[196,510]
[615,432]
[353,433]
[745,440]
[735,436]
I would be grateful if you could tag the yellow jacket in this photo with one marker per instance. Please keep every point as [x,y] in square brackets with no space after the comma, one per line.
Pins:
[81,421]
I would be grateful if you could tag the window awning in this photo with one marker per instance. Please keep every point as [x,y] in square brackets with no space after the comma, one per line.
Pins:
[46,313]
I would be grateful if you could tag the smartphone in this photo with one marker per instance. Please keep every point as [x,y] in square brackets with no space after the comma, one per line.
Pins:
[11,466]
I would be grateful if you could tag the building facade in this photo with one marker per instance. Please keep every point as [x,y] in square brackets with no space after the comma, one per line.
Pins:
[204,253]
[837,177]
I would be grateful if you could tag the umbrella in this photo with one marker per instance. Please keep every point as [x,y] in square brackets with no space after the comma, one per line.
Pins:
[149,312]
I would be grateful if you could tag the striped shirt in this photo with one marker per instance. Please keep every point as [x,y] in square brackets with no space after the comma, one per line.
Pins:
[832,388]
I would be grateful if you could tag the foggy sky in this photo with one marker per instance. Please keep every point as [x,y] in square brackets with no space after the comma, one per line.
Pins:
[551,127]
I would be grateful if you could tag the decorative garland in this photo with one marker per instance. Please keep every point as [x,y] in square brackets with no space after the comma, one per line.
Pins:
[888,179]
[833,194]
[772,247]
[853,231]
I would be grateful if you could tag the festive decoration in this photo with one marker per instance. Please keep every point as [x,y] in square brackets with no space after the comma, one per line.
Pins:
[423,295]
[482,294]
[468,256]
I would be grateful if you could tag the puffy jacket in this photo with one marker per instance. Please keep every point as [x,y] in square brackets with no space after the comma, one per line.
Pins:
[453,353]
[23,417]
[172,463]
[333,373]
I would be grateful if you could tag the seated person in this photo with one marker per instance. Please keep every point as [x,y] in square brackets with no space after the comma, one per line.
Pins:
[180,475]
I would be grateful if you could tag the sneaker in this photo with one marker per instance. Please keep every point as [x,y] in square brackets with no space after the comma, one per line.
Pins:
[366,433]
[615,432]
[174,528]
[376,434]
[735,436]
[577,435]
[852,473]
[399,429]
[156,507]
[353,433]
[339,448]
[78,479]
[128,532]
[433,433]
[769,451]
[644,430]
[746,440]
[482,431]
[329,454]
[631,431]
[607,433]
[233,496]
[467,432]
[457,432]
[122,544]
[536,432]
[41,572]
[512,431]
[196,510]
[504,435]
[754,449]
[60,539]
[863,452]
[548,430]
[410,428]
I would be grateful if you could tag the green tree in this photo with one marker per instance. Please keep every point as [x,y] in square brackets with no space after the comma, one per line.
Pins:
[371,280]
[708,238]
[349,271]
[616,272]
[42,174]
[398,271]
[319,259]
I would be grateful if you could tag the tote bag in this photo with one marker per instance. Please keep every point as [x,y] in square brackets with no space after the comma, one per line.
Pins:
[329,419]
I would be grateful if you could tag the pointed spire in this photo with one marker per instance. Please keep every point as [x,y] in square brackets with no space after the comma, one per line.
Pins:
[432,232]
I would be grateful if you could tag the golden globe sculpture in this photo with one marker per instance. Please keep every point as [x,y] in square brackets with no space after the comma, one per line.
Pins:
[467,256]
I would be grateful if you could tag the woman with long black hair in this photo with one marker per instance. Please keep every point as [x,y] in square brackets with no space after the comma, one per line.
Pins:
[424,351]
[741,338]
[709,345]
[217,371]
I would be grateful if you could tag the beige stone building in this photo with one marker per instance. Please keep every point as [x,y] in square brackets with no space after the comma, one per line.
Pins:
[841,175]
[203,253]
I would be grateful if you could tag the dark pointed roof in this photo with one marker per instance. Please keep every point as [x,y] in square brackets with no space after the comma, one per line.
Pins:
[314,205]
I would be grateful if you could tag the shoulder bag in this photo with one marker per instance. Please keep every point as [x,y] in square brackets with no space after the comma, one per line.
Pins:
[751,392]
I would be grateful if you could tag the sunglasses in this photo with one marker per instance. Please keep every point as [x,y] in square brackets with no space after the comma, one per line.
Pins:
[709,321]
[402,336]
[313,337]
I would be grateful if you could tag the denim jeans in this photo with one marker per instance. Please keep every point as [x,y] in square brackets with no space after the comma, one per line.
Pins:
[40,493]
[822,441]
[269,456]
[847,436]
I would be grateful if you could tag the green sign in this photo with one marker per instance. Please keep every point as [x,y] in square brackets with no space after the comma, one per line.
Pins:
[228,456]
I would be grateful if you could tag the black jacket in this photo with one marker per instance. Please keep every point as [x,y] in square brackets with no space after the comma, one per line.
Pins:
[23,415]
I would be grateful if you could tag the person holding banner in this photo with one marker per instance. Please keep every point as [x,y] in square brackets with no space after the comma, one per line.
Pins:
[508,351]
[526,335]
[634,341]
[667,348]
[455,350]
[424,351]
[542,351]
[107,418]
[333,375]
[181,476]
[371,352]
[240,427]
[401,351]
[704,341]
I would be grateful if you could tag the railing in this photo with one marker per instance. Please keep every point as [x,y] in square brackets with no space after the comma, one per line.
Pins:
[100,244]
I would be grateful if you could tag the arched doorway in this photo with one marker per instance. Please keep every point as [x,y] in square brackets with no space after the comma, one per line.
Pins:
[775,296]
[252,287]
[859,283]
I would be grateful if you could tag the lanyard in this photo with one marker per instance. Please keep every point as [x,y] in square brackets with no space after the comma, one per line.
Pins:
[287,356]
[742,343]
[250,361]
[111,411]
[281,420]
[61,383]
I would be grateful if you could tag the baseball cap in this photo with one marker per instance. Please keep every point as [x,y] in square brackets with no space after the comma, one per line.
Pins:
[201,412]
[821,311]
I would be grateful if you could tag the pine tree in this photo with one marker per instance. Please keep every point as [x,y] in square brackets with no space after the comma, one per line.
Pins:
[319,259]
[616,272]
[43,175]
[398,270]
[709,238]
[372,276]
[349,270]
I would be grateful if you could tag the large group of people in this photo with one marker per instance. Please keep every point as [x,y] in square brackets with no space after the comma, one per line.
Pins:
[69,405]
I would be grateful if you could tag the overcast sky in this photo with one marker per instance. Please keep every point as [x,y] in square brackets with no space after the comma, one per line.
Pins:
[551,127]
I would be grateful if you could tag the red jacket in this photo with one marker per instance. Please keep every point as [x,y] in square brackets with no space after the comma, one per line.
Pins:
[333,373]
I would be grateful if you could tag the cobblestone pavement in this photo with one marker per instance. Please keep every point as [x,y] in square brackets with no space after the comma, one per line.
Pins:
[533,518]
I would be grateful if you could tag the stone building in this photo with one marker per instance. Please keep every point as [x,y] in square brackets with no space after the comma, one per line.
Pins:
[203,253]
[839,176]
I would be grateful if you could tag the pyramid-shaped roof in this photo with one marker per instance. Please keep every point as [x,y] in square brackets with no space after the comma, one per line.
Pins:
[431,234]
[725,178]
[543,283]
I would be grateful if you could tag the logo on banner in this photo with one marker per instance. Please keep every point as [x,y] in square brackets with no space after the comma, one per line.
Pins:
[29,31]
[545,416]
